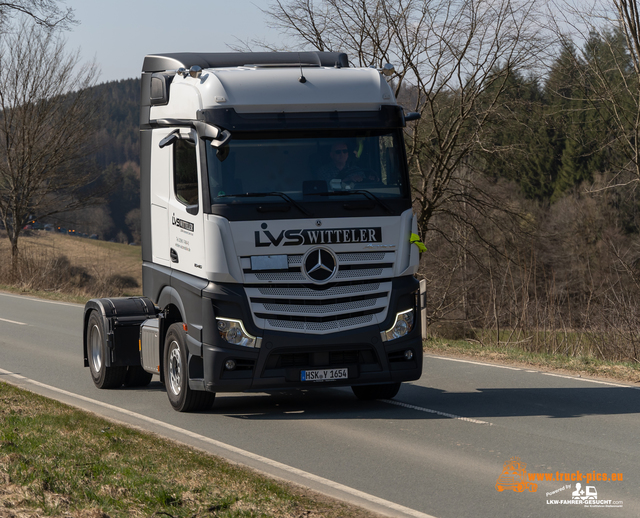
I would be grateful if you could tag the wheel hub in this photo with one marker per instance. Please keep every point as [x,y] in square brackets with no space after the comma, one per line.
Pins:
[175,368]
[96,348]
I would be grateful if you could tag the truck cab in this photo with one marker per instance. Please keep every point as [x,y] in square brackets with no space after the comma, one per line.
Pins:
[276,224]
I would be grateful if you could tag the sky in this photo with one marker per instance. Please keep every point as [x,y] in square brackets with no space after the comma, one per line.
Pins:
[119,33]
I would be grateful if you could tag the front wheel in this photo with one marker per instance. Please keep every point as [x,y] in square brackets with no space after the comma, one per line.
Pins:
[103,377]
[369,392]
[176,375]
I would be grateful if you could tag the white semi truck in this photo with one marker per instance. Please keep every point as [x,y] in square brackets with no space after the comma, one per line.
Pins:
[276,224]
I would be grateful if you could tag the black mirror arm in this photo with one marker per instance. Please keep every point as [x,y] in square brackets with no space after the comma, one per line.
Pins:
[170,139]
[412,116]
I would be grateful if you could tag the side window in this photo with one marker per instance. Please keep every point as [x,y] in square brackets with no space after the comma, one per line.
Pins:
[185,172]
[389,160]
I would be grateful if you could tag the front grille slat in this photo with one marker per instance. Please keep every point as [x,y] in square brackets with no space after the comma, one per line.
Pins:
[303,292]
[319,309]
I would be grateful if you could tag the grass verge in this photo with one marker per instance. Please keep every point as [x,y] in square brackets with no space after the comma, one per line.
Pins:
[580,365]
[59,461]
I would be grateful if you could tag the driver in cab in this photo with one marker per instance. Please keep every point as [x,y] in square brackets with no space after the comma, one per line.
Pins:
[341,166]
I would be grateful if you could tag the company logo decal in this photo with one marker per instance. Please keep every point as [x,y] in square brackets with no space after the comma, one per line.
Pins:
[186,225]
[320,265]
[314,236]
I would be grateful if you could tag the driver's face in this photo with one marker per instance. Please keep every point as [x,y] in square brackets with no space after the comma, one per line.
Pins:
[339,155]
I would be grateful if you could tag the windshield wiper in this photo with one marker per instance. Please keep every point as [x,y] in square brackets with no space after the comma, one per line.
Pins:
[367,194]
[282,195]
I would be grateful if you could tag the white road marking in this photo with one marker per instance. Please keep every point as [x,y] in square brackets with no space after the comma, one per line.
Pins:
[576,378]
[13,322]
[430,411]
[475,363]
[392,506]
[589,380]
[45,301]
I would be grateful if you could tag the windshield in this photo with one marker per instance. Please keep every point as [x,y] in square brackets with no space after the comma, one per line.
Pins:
[307,166]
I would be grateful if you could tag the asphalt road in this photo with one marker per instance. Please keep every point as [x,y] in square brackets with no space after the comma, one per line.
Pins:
[437,449]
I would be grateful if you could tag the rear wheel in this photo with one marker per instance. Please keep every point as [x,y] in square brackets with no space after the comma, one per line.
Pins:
[369,392]
[103,377]
[137,377]
[176,376]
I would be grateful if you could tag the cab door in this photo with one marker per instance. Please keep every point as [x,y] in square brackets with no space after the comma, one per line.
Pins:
[186,242]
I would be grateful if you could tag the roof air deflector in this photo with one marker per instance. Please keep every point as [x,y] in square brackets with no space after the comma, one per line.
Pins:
[173,61]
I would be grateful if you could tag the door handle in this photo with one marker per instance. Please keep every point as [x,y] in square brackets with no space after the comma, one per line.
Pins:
[174,255]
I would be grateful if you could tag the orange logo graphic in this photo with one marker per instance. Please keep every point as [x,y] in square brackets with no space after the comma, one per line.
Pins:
[514,477]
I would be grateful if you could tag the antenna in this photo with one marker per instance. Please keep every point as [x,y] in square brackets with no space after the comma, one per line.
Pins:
[302,79]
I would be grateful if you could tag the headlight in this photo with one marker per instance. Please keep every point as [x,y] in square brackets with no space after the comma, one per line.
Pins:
[233,331]
[401,327]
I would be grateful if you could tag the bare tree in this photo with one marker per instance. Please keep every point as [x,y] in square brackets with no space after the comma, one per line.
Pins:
[46,13]
[608,59]
[47,123]
[452,59]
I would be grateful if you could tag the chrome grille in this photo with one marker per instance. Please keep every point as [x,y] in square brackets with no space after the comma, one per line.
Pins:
[335,325]
[286,300]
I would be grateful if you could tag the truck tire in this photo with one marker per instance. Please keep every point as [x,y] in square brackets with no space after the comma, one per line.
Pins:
[103,377]
[382,391]
[137,377]
[176,376]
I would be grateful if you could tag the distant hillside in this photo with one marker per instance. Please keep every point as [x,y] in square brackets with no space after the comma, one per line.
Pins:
[118,157]
[119,136]
[72,266]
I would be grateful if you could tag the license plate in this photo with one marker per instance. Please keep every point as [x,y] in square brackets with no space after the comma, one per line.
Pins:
[324,375]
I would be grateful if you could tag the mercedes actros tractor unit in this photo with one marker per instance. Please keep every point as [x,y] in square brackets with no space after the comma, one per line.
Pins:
[276,221]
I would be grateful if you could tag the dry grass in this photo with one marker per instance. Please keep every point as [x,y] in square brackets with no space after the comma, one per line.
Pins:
[584,366]
[72,268]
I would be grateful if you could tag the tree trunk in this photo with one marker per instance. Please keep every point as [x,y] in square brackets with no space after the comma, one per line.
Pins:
[15,263]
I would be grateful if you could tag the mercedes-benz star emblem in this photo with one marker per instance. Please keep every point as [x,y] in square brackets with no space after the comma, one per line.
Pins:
[320,265]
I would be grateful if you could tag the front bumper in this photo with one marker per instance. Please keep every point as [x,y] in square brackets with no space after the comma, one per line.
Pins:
[278,363]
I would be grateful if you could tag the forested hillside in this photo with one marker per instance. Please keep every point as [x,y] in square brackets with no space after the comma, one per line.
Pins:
[119,134]
[555,133]
[117,155]
[538,239]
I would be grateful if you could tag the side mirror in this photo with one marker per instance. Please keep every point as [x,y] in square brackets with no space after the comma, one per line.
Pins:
[222,153]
